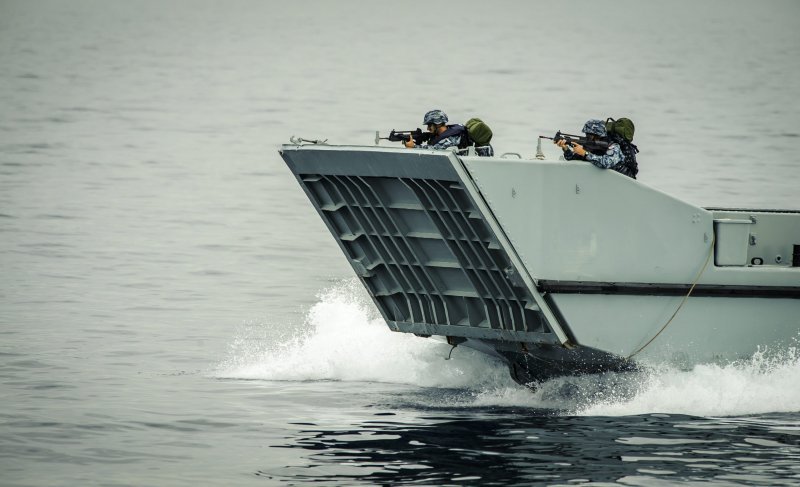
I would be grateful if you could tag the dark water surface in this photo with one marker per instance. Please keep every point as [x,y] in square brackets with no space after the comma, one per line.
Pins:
[173,312]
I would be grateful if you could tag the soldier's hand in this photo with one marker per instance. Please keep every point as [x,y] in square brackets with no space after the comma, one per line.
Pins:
[410,142]
[578,149]
[561,143]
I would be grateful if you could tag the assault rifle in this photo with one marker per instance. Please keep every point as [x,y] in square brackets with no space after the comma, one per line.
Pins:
[402,136]
[593,146]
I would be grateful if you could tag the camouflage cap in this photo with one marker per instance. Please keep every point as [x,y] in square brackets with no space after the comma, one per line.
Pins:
[436,117]
[594,126]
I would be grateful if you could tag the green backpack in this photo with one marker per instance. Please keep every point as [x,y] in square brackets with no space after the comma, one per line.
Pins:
[479,132]
[622,127]
[621,131]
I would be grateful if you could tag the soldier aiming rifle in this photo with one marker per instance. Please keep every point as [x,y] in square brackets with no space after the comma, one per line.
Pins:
[596,147]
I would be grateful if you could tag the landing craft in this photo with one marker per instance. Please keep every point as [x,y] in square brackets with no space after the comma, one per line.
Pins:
[555,268]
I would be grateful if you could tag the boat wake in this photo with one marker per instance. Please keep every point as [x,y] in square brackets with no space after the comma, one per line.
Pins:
[345,339]
[765,383]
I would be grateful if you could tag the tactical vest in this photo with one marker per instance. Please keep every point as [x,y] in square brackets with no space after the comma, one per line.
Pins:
[452,130]
[629,167]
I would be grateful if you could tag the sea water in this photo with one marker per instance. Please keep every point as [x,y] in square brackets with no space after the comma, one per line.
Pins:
[173,311]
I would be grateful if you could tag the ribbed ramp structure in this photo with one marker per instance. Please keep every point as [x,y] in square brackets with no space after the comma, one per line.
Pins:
[416,238]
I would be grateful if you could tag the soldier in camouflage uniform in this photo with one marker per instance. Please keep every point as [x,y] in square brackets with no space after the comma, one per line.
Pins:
[612,159]
[443,136]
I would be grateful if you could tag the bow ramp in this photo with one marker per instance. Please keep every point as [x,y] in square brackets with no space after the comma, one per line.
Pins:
[424,243]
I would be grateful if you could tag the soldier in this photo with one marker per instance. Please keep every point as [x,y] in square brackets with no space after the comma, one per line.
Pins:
[443,136]
[613,157]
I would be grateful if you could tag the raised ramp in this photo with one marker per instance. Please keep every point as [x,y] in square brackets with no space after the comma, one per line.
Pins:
[415,235]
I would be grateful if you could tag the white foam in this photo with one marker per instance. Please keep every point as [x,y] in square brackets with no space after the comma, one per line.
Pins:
[345,339]
[764,384]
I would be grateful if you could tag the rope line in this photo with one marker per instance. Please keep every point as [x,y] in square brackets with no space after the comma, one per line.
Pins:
[685,298]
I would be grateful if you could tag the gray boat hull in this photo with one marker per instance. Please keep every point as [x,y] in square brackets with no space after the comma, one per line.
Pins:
[556,268]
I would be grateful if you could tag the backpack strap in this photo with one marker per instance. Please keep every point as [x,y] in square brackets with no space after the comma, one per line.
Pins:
[629,150]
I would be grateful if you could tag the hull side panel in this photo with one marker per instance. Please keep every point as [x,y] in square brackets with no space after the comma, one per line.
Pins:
[705,329]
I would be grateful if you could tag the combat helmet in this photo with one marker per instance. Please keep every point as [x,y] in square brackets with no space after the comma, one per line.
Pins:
[436,117]
[596,127]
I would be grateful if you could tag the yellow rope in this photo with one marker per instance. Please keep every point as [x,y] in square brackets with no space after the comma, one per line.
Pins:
[708,259]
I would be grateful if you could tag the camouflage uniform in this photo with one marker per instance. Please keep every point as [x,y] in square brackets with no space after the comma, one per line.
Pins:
[485,151]
[445,143]
[612,159]
[438,117]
